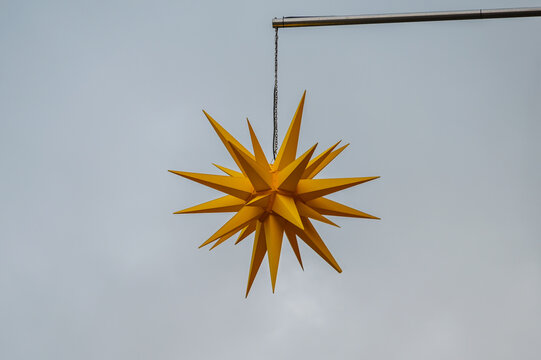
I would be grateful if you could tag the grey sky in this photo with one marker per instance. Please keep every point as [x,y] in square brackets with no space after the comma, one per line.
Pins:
[99,99]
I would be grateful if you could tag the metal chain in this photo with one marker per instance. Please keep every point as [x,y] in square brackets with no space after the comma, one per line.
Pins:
[275,109]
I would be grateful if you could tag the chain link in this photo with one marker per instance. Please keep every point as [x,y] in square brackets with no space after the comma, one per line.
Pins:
[275,108]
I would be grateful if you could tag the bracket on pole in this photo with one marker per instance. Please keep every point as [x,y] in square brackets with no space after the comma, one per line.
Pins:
[304,21]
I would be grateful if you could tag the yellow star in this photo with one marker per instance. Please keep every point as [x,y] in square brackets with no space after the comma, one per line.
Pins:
[271,199]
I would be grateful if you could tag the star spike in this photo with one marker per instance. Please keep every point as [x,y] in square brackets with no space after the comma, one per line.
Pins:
[274,232]
[260,178]
[310,236]
[286,208]
[224,238]
[238,187]
[260,157]
[226,203]
[237,222]
[290,233]
[247,231]
[333,208]
[227,138]
[288,150]
[326,161]
[289,177]
[314,163]
[307,211]
[258,253]
[261,200]
[229,171]
[309,189]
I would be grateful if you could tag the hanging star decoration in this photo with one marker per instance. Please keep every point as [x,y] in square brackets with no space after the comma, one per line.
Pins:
[270,199]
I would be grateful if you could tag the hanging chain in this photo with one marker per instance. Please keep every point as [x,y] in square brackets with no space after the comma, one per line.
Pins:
[275,108]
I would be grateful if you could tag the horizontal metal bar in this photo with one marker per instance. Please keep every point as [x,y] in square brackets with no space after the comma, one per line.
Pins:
[303,21]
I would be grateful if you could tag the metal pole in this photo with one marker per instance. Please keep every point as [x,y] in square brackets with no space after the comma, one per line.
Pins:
[303,21]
